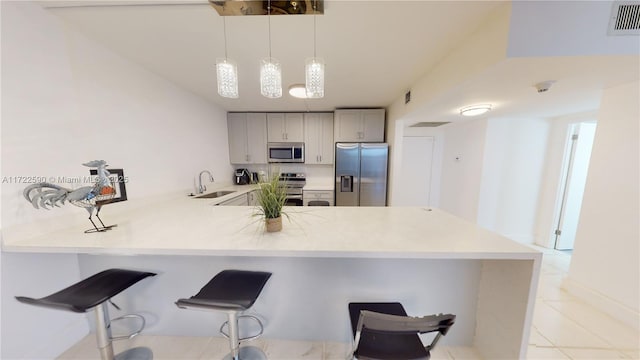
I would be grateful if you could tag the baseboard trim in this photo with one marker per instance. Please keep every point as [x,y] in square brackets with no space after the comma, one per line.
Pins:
[603,303]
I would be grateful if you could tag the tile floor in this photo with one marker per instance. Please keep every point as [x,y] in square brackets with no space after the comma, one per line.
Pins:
[563,328]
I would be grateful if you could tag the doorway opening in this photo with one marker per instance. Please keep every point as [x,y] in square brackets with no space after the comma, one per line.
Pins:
[572,183]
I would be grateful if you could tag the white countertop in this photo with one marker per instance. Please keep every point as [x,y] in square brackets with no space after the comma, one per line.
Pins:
[188,226]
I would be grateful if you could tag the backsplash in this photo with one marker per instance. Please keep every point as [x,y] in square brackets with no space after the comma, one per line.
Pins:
[316,174]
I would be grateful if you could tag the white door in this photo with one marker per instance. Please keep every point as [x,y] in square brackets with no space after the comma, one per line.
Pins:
[414,181]
[576,167]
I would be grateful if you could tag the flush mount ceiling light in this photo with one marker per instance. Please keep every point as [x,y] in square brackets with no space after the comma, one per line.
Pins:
[475,110]
[298,91]
[227,72]
[270,70]
[314,68]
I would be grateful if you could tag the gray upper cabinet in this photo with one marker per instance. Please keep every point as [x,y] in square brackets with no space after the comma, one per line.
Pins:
[359,125]
[285,127]
[318,138]
[247,138]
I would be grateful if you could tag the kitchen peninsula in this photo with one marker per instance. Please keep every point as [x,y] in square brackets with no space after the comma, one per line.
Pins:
[323,258]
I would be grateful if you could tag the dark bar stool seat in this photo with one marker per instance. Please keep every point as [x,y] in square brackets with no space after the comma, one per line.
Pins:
[232,291]
[93,293]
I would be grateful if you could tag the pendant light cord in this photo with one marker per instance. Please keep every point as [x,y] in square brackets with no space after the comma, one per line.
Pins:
[269,16]
[224,22]
[315,10]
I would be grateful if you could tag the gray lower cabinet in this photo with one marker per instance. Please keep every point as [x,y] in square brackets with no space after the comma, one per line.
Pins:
[317,197]
[252,198]
[236,201]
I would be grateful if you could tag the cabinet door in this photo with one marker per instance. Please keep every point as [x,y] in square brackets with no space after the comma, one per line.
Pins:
[294,127]
[317,195]
[288,127]
[318,138]
[257,138]
[348,126]
[237,130]
[275,127]
[373,125]
[325,138]
[236,201]
[253,198]
[312,147]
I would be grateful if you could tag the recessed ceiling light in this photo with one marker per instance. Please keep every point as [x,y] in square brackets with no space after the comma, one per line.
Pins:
[298,91]
[475,110]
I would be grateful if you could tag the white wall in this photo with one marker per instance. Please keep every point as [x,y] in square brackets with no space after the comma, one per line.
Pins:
[605,264]
[554,28]
[513,164]
[462,168]
[65,101]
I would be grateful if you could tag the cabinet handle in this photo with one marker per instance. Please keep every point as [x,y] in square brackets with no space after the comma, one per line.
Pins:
[320,158]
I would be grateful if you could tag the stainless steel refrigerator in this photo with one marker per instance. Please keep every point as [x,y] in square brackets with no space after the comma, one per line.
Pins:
[361,174]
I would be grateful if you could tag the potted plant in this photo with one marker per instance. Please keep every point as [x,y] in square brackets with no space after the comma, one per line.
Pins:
[272,195]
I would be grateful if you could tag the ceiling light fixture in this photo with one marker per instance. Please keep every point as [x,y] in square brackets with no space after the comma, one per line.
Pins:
[227,72]
[270,70]
[314,68]
[475,110]
[298,91]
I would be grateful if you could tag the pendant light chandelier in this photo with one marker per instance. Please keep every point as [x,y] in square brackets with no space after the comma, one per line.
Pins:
[270,70]
[314,68]
[227,72]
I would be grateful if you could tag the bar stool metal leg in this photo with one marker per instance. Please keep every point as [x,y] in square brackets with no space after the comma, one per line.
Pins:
[234,341]
[103,332]
[105,339]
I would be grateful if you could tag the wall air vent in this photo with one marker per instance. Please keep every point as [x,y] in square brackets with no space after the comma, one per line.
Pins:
[429,124]
[625,18]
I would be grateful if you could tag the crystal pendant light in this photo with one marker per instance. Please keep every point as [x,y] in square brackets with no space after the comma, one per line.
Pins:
[314,68]
[270,78]
[270,70]
[227,72]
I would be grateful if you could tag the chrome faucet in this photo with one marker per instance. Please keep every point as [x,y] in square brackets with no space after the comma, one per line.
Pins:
[202,188]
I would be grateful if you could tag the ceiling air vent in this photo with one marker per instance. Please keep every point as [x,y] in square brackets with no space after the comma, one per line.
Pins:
[625,18]
[429,124]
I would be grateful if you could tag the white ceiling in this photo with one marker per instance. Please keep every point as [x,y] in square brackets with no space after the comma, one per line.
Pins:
[374,51]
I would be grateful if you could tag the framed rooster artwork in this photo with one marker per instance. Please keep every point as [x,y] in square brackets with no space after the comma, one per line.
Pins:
[117,177]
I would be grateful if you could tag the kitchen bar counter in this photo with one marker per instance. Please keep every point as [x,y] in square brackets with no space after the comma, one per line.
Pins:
[204,229]
[323,258]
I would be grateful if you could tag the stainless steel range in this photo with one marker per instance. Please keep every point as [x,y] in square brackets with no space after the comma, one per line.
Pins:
[294,182]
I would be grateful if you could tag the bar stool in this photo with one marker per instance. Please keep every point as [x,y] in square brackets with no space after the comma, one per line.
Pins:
[93,293]
[232,291]
[383,331]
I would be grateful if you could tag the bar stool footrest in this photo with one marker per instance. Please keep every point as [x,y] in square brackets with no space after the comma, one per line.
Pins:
[248,338]
[135,332]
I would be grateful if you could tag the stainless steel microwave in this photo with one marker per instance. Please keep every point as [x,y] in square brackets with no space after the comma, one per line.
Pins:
[289,152]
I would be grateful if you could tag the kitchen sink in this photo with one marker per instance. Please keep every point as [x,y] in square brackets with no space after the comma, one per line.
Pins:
[214,195]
